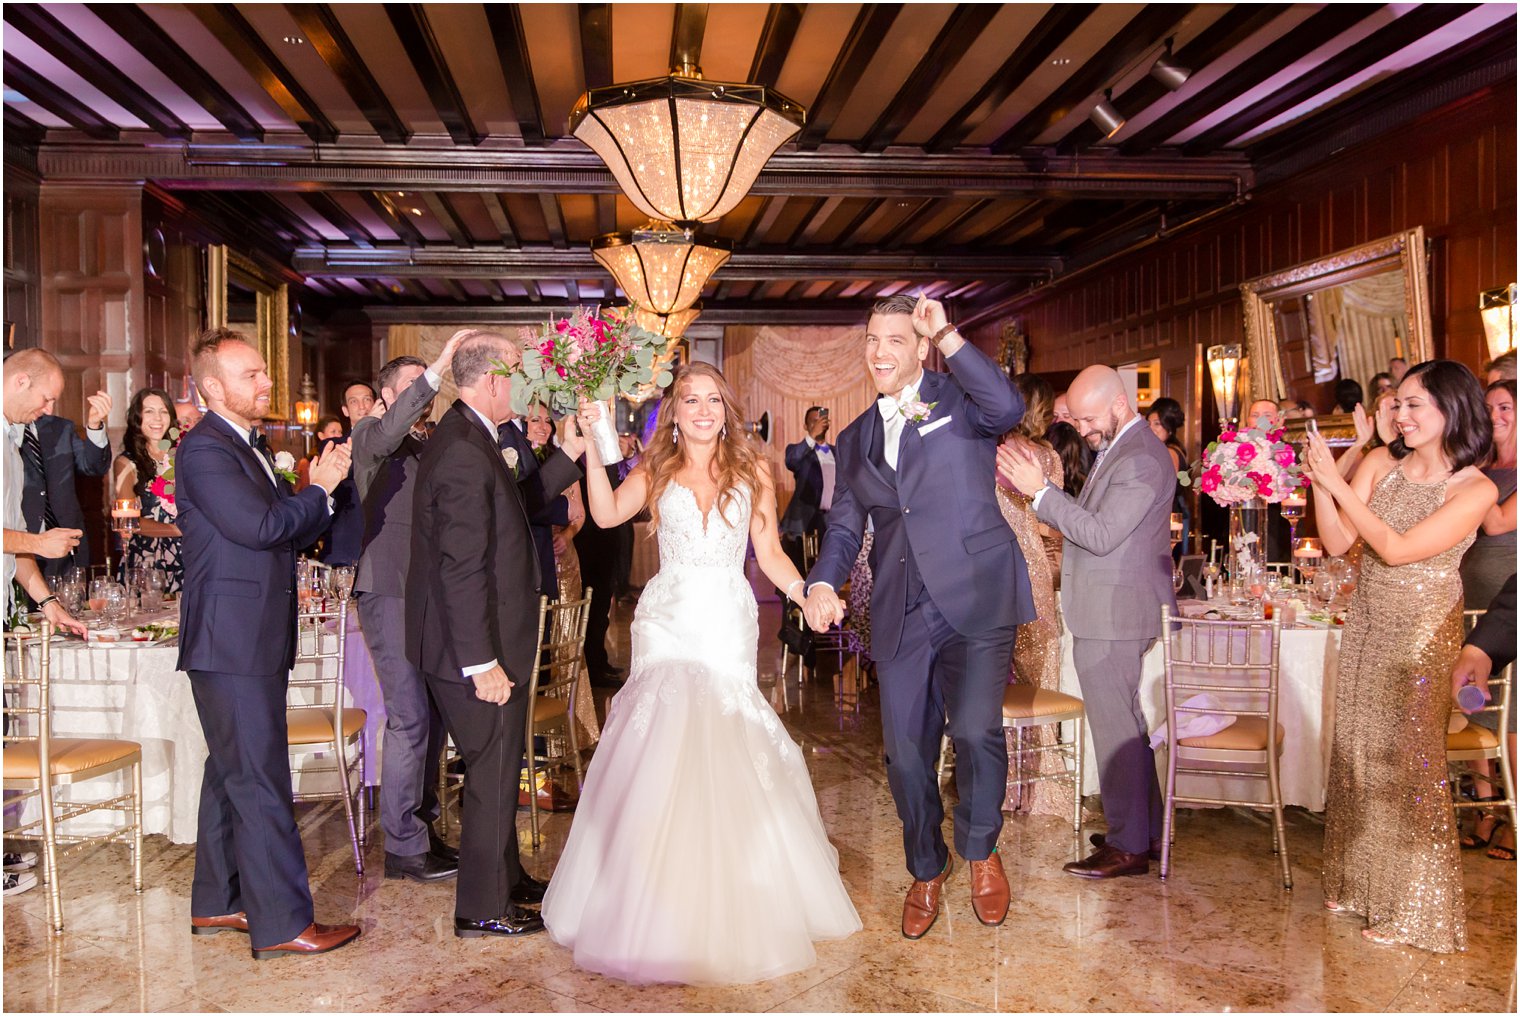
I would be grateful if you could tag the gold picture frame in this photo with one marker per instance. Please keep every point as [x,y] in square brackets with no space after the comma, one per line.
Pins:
[271,332]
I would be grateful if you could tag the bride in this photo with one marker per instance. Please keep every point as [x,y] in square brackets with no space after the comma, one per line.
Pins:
[697,854]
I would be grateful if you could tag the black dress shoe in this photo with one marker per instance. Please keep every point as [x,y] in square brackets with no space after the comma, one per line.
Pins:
[439,848]
[516,921]
[529,891]
[1108,861]
[419,867]
[1154,853]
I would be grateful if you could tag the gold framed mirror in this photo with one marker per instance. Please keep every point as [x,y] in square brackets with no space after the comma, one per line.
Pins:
[1312,327]
[241,295]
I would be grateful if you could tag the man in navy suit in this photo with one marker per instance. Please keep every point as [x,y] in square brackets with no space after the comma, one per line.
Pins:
[812,464]
[54,454]
[242,525]
[949,588]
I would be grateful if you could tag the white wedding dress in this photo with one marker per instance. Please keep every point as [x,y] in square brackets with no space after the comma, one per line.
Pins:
[697,854]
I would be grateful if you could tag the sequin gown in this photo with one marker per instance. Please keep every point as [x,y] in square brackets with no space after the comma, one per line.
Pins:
[1391,849]
[1036,649]
[697,853]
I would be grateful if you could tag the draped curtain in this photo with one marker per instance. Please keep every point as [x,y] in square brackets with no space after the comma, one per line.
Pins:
[788,369]
[1365,322]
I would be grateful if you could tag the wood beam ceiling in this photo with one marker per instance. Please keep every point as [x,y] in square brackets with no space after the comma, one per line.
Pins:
[245,44]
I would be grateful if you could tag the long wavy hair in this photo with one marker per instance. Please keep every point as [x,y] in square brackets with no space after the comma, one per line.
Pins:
[1039,408]
[134,443]
[735,461]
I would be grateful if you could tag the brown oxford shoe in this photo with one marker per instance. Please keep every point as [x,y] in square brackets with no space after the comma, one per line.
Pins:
[317,938]
[1108,861]
[213,925]
[989,890]
[1154,852]
[921,908]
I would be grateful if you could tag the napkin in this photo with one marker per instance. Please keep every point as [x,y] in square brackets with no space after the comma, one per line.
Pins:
[1196,724]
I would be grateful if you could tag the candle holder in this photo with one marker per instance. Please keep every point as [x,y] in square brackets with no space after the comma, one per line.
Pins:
[1292,508]
[1307,554]
[126,516]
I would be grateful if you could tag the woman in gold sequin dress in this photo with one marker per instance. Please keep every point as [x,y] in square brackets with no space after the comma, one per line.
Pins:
[1037,647]
[1391,852]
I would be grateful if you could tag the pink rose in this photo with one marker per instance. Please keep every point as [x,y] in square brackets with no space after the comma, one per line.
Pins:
[1244,453]
[1285,457]
[546,348]
[1209,481]
[1226,436]
[562,326]
[562,371]
[1276,435]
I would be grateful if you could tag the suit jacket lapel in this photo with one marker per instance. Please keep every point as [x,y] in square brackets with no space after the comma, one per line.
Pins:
[247,454]
[1117,448]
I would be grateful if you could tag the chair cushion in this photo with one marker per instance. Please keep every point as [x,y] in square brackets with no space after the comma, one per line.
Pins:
[548,709]
[1247,733]
[1025,702]
[314,725]
[1472,738]
[66,755]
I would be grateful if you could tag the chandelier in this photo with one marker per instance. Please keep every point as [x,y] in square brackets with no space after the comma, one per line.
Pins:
[661,268]
[682,148]
[672,326]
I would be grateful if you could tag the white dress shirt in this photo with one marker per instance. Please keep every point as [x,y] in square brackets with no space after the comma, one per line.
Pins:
[15,480]
[826,463]
[894,419]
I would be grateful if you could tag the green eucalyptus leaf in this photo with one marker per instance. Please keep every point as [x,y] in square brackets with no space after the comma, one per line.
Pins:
[605,391]
[663,379]
[644,356]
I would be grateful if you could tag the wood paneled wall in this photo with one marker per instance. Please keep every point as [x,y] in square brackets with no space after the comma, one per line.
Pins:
[23,268]
[1452,172]
[786,370]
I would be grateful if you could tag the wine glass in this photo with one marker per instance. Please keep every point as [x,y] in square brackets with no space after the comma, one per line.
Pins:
[1324,590]
[114,603]
[98,593]
[151,592]
[340,582]
[1346,581]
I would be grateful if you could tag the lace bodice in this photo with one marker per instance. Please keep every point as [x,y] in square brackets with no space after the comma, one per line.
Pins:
[689,540]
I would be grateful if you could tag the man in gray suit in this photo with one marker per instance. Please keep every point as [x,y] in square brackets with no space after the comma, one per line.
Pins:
[1116,573]
[386,449]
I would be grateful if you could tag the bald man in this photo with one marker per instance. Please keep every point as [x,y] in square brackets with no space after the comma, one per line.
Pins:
[1116,573]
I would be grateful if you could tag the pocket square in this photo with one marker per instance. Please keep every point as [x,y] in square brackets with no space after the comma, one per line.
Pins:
[930,428]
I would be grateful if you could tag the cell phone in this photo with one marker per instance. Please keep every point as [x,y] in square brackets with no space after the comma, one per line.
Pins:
[1313,426]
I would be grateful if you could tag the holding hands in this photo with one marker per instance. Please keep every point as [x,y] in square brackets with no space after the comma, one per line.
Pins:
[1020,469]
[822,608]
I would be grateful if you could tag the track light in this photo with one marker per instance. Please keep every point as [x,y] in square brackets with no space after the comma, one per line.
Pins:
[1167,71]
[1105,117]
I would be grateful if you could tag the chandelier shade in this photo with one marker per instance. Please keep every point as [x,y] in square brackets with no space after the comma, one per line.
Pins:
[661,268]
[684,149]
[672,326]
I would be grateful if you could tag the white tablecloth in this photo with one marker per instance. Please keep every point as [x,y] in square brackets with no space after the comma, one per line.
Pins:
[1306,709]
[135,693]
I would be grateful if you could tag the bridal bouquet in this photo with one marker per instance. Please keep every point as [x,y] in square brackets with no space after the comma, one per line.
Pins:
[588,355]
[1247,464]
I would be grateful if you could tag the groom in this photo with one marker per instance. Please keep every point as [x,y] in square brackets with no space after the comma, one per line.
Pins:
[950,586]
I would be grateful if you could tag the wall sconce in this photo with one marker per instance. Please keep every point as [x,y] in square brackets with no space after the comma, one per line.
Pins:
[1167,71]
[1224,372]
[306,406]
[1497,306]
[1105,117]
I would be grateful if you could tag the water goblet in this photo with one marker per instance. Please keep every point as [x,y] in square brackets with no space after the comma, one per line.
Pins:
[340,582]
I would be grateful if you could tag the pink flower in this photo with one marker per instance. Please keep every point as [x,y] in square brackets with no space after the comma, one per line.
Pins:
[163,489]
[1209,481]
[546,348]
[562,371]
[1276,435]
[1226,436]
[562,326]
[1285,457]
[1244,453]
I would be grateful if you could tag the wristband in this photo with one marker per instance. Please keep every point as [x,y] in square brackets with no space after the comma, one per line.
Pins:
[797,582]
[46,600]
[941,334]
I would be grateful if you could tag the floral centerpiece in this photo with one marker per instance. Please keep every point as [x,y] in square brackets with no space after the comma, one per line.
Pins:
[162,485]
[590,355]
[1244,470]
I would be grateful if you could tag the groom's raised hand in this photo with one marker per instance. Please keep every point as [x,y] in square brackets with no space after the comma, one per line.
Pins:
[822,608]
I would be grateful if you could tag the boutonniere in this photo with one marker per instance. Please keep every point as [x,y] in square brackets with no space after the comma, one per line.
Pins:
[285,466]
[917,412]
[509,455]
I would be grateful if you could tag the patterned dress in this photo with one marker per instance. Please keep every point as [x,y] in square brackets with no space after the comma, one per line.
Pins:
[160,552]
[1391,849]
[1036,650]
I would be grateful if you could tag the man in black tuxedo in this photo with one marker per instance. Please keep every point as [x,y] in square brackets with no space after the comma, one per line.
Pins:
[811,461]
[471,622]
[54,455]
[517,452]
[242,525]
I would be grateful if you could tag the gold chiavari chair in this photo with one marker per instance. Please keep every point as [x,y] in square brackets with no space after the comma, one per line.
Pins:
[553,691]
[36,763]
[1025,706]
[1475,743]
[320,724]
[1237,663]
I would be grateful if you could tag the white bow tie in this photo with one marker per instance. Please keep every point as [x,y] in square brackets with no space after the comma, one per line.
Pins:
[891,407]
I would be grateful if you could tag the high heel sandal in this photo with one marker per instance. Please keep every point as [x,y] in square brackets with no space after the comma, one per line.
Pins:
[1497,851]
[1472,841]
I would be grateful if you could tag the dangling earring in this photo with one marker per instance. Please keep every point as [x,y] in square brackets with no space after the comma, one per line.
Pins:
[675,434]
[724,432]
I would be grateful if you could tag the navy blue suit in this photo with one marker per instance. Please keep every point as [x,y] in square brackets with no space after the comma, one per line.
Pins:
[804,512]
[237,642]
[65,456]
[949,586]
[542,520]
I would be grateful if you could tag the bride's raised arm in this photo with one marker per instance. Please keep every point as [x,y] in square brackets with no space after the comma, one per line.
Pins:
[765,534]
[609,508]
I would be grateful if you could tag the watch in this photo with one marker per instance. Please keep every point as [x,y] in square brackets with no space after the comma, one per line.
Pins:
[942,333]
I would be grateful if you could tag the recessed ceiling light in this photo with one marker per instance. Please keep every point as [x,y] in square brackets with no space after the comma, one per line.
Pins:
[1060,61]
[294,40]
[415,211]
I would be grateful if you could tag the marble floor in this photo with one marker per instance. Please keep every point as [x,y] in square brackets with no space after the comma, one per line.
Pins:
[1219,934]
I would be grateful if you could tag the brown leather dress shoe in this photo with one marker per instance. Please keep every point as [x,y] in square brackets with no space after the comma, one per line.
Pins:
[1108,861]
[989,890]
[317,938]
[213,925]
[1154,852]
[921,908]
